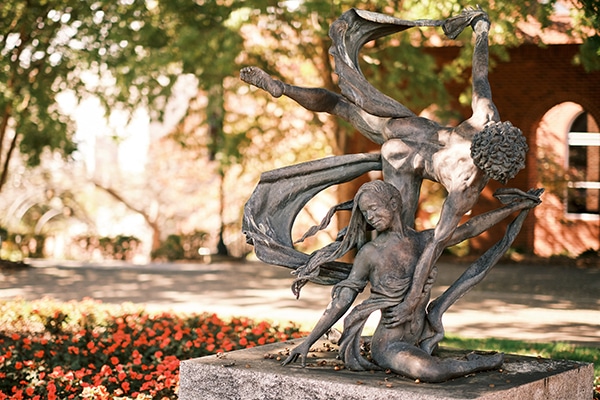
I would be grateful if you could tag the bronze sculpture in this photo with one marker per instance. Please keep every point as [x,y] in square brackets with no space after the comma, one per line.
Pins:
[461,158]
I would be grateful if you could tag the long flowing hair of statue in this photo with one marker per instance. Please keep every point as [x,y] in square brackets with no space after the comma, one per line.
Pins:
[354,238]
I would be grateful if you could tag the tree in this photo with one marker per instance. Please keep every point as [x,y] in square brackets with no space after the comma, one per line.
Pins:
[590,50]
[128,53]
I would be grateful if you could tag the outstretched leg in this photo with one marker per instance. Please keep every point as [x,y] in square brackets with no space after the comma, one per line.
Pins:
[259,78]
[319,100]
[415,363]
[313,99]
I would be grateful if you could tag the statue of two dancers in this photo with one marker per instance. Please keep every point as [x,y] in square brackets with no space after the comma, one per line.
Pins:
[400,262]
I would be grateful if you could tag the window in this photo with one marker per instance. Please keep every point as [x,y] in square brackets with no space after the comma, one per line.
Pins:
[583,188]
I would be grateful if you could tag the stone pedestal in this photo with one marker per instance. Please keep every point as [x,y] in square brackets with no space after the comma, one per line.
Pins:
[257,374]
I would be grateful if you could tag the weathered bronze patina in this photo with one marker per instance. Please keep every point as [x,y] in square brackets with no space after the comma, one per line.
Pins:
[399,263]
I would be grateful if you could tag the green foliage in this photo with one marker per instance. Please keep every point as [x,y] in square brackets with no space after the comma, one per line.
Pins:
[590,50]
[171,249]
[181,247]
[120,247]
[18,246]
[127,53]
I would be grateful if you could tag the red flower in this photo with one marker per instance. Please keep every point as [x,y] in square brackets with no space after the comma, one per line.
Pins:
[51,388]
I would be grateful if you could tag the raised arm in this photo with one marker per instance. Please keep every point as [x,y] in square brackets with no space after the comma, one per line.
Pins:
[481,223]
[483,107]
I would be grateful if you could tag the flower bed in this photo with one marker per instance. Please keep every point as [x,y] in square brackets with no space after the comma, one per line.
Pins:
[87,350]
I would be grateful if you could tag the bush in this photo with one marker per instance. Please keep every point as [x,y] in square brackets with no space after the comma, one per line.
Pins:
[16,246]
[181,247]
[120,247]
[85,350]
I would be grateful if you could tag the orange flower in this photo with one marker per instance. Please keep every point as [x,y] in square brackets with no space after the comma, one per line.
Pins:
[51,388]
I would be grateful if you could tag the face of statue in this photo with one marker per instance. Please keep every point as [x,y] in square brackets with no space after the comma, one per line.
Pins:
[378,214]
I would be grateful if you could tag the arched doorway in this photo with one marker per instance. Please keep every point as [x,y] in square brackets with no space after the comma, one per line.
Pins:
[568,148]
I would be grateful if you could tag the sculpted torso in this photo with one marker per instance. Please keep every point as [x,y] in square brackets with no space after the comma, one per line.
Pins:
[389,261]
[418,146]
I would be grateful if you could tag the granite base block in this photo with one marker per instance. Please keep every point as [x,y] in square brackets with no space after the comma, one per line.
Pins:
[257,374]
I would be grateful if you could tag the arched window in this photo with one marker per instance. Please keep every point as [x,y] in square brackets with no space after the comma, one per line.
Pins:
[583,187]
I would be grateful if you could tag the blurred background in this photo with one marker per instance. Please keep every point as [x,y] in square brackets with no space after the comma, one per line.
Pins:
[126,133]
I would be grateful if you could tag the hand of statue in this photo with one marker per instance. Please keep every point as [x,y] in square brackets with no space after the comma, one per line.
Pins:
[299,351]
[430,281]
[526,200]
[297,285]
[453,26]
[395,316]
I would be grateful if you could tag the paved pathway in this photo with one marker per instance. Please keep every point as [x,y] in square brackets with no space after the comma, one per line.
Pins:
[526,302]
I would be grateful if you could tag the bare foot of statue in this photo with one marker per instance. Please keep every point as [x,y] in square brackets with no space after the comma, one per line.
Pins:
[259,78]
[485,361]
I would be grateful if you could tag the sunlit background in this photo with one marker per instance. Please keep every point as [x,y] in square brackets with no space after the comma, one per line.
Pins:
[134,138]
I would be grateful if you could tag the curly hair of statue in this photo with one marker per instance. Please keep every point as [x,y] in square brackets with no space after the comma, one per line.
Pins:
[499,150]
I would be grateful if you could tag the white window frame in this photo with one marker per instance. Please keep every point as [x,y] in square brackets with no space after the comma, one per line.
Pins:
[584,139]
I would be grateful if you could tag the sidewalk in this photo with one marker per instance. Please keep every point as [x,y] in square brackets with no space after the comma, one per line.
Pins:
[515,301]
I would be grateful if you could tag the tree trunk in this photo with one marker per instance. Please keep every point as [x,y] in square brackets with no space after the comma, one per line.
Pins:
[151,223]
[8,153]
[221,247]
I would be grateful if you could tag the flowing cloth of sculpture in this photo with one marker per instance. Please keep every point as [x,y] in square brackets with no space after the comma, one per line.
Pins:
[461,158]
